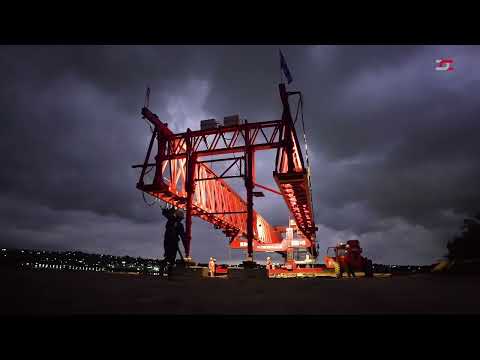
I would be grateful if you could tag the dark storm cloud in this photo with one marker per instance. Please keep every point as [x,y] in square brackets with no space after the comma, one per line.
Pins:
[393,143]
[72,119]
[407,140]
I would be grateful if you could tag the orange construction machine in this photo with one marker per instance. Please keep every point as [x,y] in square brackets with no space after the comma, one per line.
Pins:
[345,257]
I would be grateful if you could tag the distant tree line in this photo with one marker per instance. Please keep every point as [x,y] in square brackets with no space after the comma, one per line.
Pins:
[466,246]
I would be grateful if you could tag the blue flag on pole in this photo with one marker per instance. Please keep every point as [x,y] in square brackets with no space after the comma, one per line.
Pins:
[283,65]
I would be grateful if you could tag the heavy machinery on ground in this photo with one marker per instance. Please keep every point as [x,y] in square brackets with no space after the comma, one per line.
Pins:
[298,263]
[344,256]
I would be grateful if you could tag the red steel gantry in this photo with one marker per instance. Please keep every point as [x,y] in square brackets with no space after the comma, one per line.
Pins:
[186,181]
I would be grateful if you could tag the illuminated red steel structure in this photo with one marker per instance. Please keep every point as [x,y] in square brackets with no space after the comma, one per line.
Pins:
[186,181]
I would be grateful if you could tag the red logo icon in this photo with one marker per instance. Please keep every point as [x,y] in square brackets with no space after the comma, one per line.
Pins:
[444,65]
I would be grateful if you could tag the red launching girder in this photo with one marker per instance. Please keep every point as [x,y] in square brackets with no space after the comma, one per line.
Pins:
[184,180]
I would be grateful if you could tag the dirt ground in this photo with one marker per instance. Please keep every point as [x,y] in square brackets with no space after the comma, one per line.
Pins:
[67,293]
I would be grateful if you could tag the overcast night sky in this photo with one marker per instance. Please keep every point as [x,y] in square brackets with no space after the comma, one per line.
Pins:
[394,144]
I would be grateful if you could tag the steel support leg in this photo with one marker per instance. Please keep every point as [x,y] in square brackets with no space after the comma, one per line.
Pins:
[190,188]
[189,207]
[250,173]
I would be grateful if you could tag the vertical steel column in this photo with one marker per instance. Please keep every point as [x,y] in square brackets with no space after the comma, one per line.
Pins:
[249,184]
[190,188]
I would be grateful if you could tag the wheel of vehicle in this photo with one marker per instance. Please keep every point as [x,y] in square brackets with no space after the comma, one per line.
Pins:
[337,268]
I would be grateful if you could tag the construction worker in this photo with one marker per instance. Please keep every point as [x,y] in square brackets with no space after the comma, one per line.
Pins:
[174,232]
[211,267]
[269,263]
[179,226]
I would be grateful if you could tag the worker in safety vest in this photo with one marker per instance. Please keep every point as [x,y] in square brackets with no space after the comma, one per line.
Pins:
[269,263]
[211,267]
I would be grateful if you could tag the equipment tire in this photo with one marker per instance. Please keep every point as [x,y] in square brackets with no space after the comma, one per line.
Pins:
[338,274]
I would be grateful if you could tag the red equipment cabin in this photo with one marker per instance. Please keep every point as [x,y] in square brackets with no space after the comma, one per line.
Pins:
[349,254]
